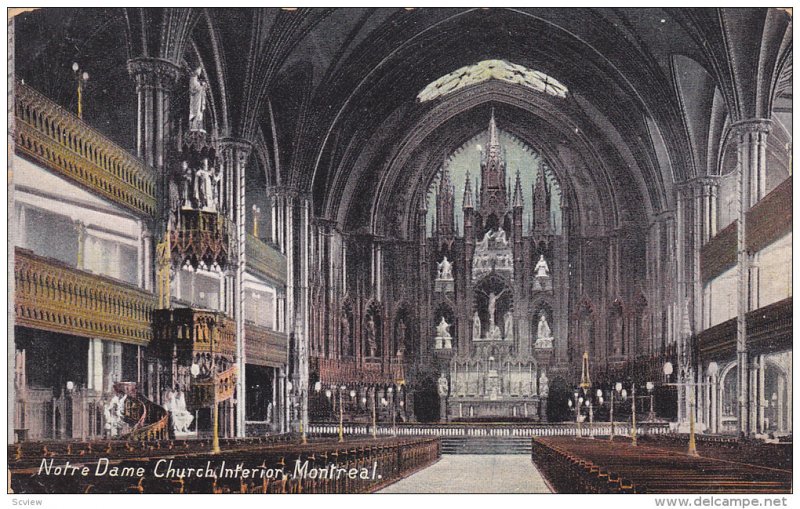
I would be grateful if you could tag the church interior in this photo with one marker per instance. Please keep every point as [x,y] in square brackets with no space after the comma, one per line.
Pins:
[402,236]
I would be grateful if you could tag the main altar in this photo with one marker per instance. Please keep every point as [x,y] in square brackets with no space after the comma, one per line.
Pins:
[498,294]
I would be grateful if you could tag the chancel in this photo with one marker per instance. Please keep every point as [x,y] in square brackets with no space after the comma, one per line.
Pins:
[380,238]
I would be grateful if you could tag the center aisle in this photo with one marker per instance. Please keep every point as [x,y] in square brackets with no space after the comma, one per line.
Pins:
[474,473]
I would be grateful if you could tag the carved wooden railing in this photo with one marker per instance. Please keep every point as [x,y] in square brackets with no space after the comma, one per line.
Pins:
[769,329]
[265,259]
[53,296]
[348,372]
[197,330]
[221,387]
[265,347]
[150,421]
[65,144]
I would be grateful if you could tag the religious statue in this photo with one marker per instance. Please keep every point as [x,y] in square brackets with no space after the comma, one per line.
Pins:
[493,305]
[181,418]
[443,337]
[476,326]
[543,329]
[541,269]
[204,192]
[500,237]
[112,415]
[508,324]
[372,344]
[197,100]
[443,389]
[217,177]
[442,329]
[483,244]
[543,385]
[187,183]
[445,269]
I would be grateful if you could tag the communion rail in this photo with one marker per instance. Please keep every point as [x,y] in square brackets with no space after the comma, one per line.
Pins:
[244,466]
[579,465]
[498,429]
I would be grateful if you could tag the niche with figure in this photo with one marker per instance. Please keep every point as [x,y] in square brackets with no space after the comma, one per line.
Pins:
[493,312]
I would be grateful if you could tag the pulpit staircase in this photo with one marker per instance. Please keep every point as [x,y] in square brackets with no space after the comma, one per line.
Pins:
[149,421]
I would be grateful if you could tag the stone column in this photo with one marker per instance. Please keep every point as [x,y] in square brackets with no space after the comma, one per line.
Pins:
[155,79]
[94,371]
[235,153]
[751,136]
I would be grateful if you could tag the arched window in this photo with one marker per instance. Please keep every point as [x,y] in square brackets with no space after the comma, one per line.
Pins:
[493,69]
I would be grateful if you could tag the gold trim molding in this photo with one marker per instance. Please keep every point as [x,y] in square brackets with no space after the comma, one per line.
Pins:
[53,296]
[57,139]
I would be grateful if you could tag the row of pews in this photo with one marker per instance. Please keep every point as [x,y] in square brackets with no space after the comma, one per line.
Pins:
[584,465]
[273,464]
[729,448]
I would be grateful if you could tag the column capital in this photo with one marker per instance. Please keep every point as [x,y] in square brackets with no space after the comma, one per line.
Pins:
[753,125]
[154,73]
[240,144]
[290,192]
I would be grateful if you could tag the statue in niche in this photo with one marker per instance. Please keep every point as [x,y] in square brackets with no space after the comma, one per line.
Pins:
[500,237]
[508,324]
[187,184]
[443,337]
[544,388]
[445,269]
[541,269]
[205,185]
[370,333]
[543,329]
[476,326]
[442,383]
[493,304]
[442,330]
[197,100]
[218,187]
[347,342]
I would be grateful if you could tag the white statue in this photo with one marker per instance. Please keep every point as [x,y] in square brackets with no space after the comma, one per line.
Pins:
[543,385]
[493,305]
[112,414]
[543,329]
[442,330]
[541,269]
[476,326]
[483,244]
[443,338]
[445,269]
[508,324]
[205,186]
[443,389]
[181,418]
[500,237]
[197,100]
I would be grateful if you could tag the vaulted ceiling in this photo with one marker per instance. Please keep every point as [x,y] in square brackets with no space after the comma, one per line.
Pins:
[328,97]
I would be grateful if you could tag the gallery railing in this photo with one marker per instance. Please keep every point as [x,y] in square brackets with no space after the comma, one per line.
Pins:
[265,259]
[265,347]
[63,143]
[53,296]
